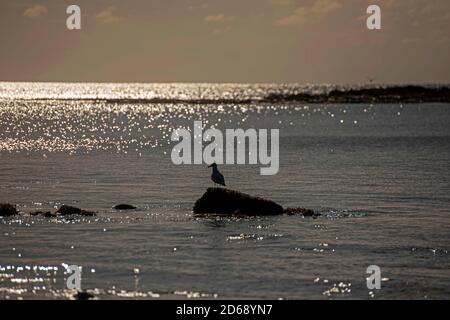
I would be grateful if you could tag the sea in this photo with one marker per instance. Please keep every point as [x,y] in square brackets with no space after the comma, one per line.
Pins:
[379,175]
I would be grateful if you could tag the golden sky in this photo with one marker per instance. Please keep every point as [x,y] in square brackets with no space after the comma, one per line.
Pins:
[304,41]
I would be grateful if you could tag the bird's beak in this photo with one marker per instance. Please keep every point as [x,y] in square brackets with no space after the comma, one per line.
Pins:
[210,166]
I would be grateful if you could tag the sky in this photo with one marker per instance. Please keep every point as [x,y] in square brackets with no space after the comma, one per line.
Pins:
[268,41]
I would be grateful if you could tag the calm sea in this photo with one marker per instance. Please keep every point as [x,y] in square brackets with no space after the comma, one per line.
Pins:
[378,173]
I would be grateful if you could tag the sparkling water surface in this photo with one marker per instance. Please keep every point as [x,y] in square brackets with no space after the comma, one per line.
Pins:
[379,174]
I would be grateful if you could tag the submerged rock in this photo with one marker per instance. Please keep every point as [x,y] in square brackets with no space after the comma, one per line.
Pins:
[123,206]
[302,211]
[46,214]
[83,295]
[226,201]
[69,210]
[63,211]
[49,214]
[7,210]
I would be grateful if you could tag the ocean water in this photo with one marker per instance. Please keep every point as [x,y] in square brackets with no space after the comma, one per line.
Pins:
[378,174]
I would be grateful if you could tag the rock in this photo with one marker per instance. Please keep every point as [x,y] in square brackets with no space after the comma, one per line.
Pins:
[123,206]
[230,202]
[69,210]
[46,214]
[49,214]
[302,211]
[7,210]
[226,201]
[83,295]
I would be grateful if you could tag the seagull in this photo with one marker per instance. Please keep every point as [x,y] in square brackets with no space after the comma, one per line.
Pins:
[216,176]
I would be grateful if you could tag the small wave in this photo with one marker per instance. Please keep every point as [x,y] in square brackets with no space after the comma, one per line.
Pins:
[330,213]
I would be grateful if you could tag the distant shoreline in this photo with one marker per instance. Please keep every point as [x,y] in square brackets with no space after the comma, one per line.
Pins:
[385,94]
[394,94]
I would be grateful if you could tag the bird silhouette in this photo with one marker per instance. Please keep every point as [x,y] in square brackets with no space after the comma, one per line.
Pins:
[370,79]
[216,176]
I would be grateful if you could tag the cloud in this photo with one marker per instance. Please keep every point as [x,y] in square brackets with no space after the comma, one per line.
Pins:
[224,22]
[108,15]
[222,30]
[35,11]
[220,17]
[281,2]
[316,11]
[298,17]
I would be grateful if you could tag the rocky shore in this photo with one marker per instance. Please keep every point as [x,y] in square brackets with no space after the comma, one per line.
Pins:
[221,201]
[393,94]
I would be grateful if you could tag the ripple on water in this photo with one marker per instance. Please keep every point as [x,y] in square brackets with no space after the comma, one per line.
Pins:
[24,281]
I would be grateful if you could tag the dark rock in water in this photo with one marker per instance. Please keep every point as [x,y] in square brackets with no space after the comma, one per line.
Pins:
[49,214]
[40,213]
[46,214]
[302,211]
[7,210]
[124,207]
[69,210]
[226,201]
[230,202]
[83,295]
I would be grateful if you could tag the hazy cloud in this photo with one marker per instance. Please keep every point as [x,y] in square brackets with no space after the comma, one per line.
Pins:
[35,11]
[108,15]
[281,2]
[220,17]
[222,30]
[226,41]
[316,11]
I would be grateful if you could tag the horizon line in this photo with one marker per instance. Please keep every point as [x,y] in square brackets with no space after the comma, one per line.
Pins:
[237,82]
